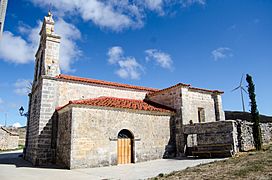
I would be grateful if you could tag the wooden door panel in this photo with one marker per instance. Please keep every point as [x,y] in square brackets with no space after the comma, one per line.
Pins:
[124,151]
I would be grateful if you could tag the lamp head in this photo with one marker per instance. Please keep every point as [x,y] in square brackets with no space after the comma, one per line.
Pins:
[21,110]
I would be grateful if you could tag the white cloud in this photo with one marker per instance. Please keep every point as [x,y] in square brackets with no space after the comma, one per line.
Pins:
[187,3]
[26,48]
[17,125]
[115,54]
[154,4]
[22,87]
[112,14]
[15,49]
[163,59]
[129,68]
[221,53]
[69,51]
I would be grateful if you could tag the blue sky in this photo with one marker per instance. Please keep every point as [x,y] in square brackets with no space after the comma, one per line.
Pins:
[153,43]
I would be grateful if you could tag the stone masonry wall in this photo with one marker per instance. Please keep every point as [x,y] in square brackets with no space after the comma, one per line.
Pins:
[43,104]
[94,135]
[43,97]
[220,132]
[48,105]
[64,138]
[172,98]
[245,137]
[51,64]
[8,140]
[33,125]
[75,91]
[192,100]
[48,95]
[186,102]
[21,131]
[220,113]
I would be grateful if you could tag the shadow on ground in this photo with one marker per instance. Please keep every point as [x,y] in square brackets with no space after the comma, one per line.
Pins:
[16,158]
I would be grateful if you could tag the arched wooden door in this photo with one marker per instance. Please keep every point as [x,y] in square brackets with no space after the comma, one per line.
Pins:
[125,147]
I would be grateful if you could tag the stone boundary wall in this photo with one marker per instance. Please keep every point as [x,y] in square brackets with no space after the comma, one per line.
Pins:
[220,132]
[21,131]
[8,140]
[245,137]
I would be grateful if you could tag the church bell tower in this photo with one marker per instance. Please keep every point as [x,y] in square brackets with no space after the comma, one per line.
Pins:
[43,97]
[47,56]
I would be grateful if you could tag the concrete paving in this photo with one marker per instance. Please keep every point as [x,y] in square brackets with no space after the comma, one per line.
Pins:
[14,167]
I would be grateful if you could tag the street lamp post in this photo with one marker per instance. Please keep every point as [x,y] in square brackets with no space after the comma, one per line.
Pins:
[21,111]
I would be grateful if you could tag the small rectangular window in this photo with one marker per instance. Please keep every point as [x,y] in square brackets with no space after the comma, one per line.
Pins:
[201,115]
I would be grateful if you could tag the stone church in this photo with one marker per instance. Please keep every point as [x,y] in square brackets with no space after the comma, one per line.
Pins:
[80,122]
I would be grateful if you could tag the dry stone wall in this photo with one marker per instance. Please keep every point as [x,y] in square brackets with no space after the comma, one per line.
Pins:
[8,140]
[245,137]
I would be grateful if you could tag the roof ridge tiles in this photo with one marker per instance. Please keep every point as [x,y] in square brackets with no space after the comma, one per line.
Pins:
[186,85]
[102,82]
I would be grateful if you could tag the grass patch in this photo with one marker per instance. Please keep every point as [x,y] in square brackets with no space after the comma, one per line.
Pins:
[19,148]
[248,169]
[245,165]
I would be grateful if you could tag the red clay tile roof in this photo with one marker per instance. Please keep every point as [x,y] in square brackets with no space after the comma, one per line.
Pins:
[100,82]
[152,91]
[121,103]
[163,90]
[207,90]
[186,85]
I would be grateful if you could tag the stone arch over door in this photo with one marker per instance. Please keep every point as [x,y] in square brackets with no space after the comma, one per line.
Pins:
[125,147]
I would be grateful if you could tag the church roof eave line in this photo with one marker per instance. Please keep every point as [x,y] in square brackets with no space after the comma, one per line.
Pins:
[102,82]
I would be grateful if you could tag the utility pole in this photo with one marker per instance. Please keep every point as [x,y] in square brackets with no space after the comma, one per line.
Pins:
[3,8]
[6,116]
